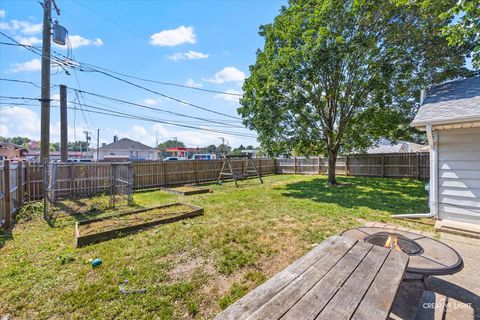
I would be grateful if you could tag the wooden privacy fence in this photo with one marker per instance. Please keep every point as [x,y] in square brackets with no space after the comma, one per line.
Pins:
[153,174]
[12,189]
[24,181]
[388,165]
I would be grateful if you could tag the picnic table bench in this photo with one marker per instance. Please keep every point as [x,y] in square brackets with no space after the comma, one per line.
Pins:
[341,278]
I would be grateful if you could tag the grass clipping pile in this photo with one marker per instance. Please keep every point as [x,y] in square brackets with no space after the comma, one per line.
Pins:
[101,229]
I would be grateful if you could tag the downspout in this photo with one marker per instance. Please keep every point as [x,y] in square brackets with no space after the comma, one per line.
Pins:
[433,184]
[433,199]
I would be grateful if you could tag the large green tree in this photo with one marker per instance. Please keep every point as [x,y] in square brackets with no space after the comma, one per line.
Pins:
[336,75]
[465,28]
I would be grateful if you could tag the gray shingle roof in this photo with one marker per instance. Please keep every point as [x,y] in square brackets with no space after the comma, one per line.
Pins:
[451,102]
[126,144]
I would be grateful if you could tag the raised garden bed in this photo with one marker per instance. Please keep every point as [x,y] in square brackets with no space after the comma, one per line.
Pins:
[101,229]
[186,190]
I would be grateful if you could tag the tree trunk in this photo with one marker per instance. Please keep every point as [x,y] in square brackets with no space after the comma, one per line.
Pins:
[332,160]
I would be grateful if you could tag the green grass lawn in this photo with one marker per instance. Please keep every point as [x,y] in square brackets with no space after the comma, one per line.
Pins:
[192,268]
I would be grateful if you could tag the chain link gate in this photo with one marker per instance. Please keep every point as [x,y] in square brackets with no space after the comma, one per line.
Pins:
[71,185]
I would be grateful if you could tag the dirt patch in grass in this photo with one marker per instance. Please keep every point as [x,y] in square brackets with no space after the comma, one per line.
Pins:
[187,188]
[87,205]
[115,222]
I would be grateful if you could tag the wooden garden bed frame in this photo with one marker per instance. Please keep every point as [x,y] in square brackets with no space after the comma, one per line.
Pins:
[197,190]
[82,240]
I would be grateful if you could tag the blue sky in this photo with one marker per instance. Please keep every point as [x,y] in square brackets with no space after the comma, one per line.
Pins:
[209,44]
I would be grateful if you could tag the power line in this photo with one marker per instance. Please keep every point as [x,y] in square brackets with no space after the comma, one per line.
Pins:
[152,108]
[27,82]
[73,64]
[104,111]
[139,35]
[165,83]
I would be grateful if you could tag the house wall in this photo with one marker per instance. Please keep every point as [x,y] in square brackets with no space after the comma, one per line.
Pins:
[130,154]
[459,175]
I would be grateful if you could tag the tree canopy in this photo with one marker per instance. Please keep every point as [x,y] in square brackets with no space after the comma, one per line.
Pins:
[336,75]
[465,29]
[171,144]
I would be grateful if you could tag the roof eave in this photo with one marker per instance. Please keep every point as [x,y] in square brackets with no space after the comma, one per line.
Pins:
[422,125]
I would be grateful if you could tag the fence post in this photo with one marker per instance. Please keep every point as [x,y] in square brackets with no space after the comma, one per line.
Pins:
[131,180]
[274,165]
[19,184]
[6,188]
[383,165]
[319,166]
[28,187]
[260,167]
[294,165]
[346,165]
[417,165]
[196,171]
[164,167]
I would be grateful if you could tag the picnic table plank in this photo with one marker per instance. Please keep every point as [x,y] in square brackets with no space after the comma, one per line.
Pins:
[379,299]
[341,278]
[249,303]
[344,303]
[295,290]
[319,296]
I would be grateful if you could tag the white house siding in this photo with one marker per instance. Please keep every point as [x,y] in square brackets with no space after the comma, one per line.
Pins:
[131,155]
[459,174]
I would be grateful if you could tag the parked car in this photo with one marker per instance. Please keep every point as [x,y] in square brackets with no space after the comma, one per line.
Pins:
[171,159]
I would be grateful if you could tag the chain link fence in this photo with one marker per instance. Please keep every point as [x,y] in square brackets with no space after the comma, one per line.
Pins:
[77,188]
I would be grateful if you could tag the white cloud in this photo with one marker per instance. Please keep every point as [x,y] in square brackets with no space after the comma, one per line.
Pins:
[190,55]
[192,83]
[228,74]
[2,13]
[32,65]
[19,121]
[29,41]
[173,37]
[150,102]
[24,27]
[79,41]
[229,97]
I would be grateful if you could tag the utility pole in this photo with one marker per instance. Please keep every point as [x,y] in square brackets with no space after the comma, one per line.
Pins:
[63,123]
[176,142]
[45,112]
[98,142]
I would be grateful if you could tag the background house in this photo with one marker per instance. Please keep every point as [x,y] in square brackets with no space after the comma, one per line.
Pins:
[386,146]
[450,114]
[125,150]
[11,151]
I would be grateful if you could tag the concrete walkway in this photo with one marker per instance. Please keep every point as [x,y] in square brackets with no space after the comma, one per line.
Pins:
[462,288]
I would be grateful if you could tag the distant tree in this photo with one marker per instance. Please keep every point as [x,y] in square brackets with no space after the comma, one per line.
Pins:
[223,149]
[238,151]
[77,146]
[21,141]
[334,76]
[212,149]
[171,144]
[249,147]
[56,146]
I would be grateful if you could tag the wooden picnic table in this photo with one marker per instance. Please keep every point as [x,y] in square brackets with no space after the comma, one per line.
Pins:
[341,278]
